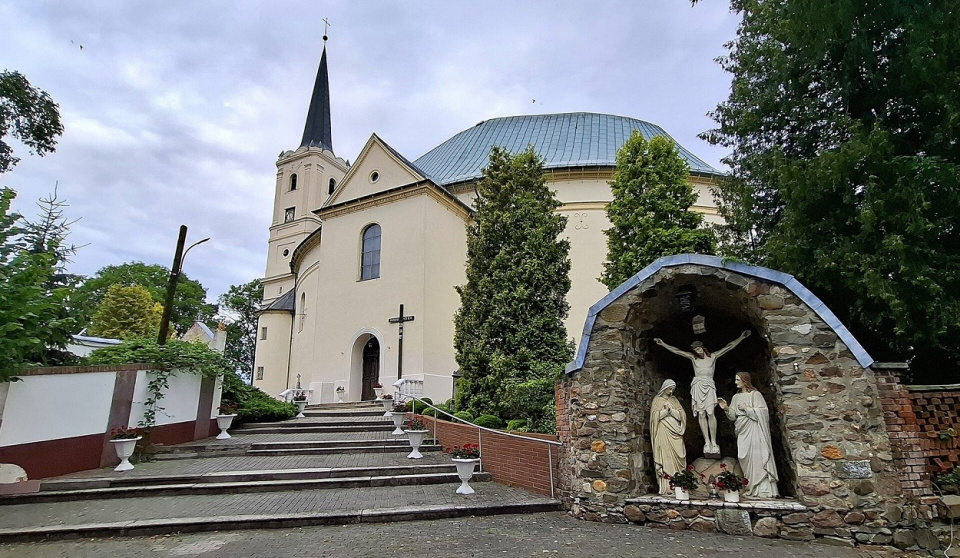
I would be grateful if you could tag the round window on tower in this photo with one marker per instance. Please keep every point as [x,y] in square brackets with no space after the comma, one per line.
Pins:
[374,176]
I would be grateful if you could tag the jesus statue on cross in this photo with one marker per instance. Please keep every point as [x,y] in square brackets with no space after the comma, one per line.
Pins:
[703,391]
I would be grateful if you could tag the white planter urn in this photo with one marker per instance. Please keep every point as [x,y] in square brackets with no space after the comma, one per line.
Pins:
[125,447]
[387,405]
[398,419]
[731,496]
[223,423]
[378,392]
[301,405]
[681,493]
[465,469]
[416,438]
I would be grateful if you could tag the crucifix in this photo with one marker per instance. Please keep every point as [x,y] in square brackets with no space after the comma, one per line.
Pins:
[326,24]
[399,321]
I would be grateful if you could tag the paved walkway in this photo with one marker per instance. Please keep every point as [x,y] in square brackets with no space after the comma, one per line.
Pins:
[200,466]
[256,504]
[542,534]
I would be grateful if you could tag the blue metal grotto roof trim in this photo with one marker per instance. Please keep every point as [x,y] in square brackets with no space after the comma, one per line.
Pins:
[788,282]
[576,139]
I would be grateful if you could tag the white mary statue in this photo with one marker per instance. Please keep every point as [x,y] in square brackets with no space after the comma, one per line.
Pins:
[751,417]
[668,422]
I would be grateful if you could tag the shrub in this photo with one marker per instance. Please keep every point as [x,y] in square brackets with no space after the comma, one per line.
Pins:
[533,400]
[253,405]
[489,421]
[419,408]
[517,425]
[464,415]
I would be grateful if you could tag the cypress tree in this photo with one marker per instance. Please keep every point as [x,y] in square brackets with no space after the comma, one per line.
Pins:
[509,328]
[650,211]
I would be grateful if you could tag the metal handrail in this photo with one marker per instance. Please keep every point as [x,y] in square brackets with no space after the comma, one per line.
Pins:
[480,429]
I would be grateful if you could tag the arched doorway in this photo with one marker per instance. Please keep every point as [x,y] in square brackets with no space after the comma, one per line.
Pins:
[371,369]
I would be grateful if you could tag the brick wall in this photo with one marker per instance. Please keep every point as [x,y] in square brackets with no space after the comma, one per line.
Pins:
[913,420]
[524,463]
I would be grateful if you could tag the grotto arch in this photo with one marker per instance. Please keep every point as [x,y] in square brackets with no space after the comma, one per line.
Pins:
[809,368]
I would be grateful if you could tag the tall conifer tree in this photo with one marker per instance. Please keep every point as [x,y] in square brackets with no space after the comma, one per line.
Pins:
[650,211]
[509,328]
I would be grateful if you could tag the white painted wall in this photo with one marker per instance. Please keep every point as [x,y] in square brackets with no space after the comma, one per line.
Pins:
[51,407]
[179,404]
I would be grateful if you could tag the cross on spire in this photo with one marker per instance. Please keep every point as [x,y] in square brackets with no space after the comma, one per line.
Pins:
[326,24]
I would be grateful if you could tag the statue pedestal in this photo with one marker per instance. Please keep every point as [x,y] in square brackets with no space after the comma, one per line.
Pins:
[711,467]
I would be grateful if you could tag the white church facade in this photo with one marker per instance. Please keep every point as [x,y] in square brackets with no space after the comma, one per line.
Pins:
[350,244]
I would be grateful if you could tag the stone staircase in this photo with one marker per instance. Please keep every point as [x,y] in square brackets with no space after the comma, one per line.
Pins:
[340,464]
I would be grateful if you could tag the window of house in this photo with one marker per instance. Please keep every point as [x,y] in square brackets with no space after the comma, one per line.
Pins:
[293,182]
[289,214]
[303,309]
[259,372]
[263,332]
[333,186]
[370,253]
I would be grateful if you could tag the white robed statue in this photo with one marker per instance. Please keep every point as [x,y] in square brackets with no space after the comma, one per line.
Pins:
[703,390]
[751,418]
[668,422]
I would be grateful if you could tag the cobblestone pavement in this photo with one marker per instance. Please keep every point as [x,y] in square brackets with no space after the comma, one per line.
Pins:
[544,534]
[255,503]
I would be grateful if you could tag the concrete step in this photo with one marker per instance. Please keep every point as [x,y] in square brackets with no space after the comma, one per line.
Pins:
[314,428]
[347,443]
[397,447]
[362,412]
[326,421]
[241,482]
[135,526]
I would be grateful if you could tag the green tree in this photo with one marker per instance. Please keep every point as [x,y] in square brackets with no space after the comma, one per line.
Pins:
[239,308]
[29,115]
[843,119]
[188,306]
[126,312]
[509,328]
[34,295]
[650,212]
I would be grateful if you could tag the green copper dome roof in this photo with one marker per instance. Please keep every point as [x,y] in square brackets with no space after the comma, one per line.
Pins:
[576,139]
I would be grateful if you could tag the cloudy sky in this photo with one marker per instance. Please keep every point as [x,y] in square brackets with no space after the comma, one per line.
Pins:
[175,111]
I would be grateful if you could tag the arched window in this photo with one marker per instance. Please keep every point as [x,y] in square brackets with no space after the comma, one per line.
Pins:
[370,253]
[293,182]
[333,186]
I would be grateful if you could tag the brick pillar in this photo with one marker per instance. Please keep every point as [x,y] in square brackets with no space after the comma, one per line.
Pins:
[904,431]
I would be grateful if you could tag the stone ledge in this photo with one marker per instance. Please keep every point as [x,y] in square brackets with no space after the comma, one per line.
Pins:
[758,505]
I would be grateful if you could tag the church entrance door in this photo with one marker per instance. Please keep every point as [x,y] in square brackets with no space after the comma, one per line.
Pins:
[371,369]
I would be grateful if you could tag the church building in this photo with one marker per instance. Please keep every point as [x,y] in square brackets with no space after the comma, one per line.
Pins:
[354,247]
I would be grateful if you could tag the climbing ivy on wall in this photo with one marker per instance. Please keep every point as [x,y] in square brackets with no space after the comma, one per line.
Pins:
[174,356]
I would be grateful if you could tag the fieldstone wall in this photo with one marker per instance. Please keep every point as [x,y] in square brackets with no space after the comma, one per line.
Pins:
[834,454]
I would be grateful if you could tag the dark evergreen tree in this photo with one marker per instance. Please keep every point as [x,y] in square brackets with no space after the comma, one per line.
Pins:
[509,328]
[843,118]
[650,212]
[35,318]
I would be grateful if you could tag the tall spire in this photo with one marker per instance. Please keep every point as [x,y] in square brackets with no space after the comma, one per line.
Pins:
[316,132]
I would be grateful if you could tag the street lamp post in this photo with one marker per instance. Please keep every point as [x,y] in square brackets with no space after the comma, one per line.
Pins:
[172,283]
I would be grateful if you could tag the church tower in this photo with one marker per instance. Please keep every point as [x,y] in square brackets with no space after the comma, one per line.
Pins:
[306,177]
